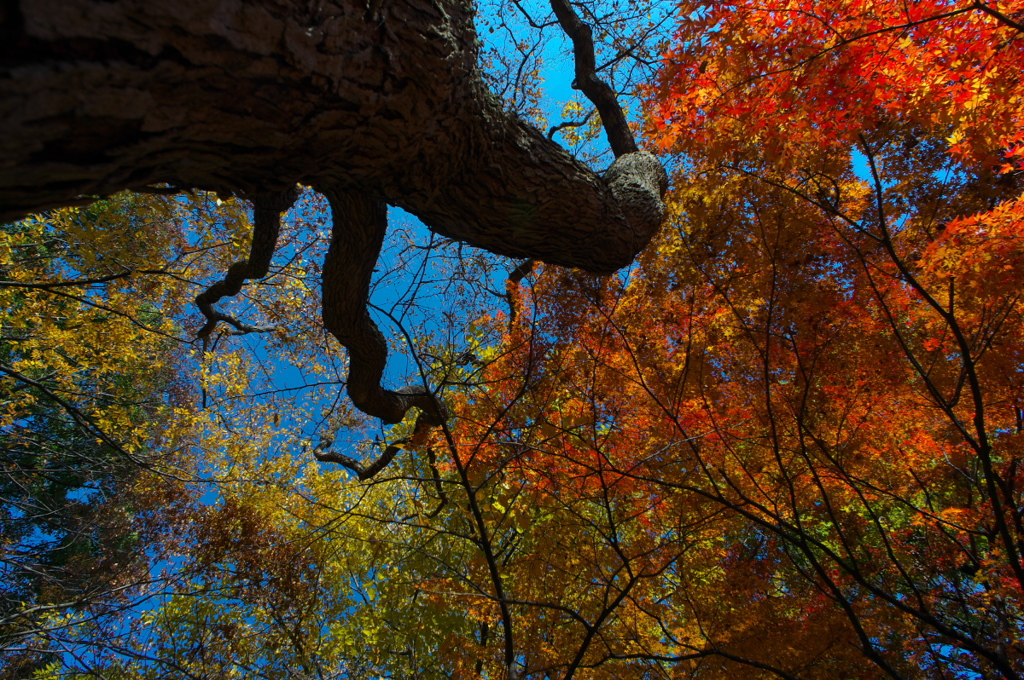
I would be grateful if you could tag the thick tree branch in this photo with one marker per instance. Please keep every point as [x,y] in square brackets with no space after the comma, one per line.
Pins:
[512,290]
[267,209]
[359,225]
[363,472]
[249,98]
[100,96]
[601,95]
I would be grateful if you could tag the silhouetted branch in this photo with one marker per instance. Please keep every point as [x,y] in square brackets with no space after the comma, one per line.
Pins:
[570,124]
[267,209]
[620,137]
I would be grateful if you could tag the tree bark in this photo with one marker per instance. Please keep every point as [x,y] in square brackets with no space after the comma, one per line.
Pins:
[371,104]
[359,226]
[252,96]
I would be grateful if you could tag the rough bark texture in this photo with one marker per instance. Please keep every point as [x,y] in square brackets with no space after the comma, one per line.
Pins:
[359,225]
[250,96]
[371,104]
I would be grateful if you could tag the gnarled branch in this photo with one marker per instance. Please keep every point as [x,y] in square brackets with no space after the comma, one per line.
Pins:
[267,209]
[424,423]
[570,124]
[360,222]
[601,95]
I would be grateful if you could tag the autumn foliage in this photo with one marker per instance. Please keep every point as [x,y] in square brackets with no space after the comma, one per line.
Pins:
[786,443]
[789,77]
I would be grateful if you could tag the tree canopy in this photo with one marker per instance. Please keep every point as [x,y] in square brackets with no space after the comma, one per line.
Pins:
[785,442]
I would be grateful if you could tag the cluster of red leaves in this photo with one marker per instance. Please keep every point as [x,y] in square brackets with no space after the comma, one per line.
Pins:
[790,441]
[789,76]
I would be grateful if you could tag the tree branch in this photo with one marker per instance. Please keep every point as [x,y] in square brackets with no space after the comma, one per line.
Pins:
[620,137]
[267,209]
[359,226]
[511,288]
[570,124]
[81,419]
[998,16]
[323,453]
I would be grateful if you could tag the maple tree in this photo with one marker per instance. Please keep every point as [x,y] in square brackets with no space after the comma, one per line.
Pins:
[810,385]
[786,443]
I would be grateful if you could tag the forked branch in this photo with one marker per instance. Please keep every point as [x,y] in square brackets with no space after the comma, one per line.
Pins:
[267,209]
[366,471]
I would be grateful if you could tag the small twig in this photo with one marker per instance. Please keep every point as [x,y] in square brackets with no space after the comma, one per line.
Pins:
[63,284]
[529,18]
[87,282]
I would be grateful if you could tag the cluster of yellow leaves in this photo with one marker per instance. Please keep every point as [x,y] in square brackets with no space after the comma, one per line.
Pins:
[73,340]
[97,326]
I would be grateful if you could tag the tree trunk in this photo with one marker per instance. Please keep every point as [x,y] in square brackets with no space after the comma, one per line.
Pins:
[370,103]
[252,96]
